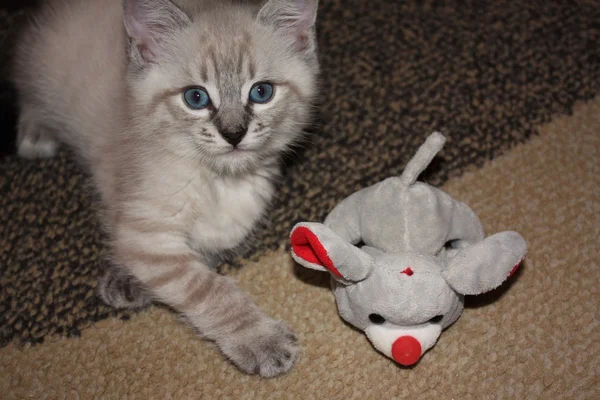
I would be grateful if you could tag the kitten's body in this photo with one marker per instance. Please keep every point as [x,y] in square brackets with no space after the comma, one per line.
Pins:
[176,194]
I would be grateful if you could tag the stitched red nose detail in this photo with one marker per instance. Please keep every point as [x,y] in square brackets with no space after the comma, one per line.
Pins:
[406,350]
[408,271]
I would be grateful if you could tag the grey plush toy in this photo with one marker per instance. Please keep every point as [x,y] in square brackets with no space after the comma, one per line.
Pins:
[423,251]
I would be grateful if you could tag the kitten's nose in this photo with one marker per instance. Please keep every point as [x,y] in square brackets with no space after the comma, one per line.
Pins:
[234,137]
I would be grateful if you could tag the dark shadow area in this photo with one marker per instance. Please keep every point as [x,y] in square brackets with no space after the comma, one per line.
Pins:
[8,118]
[312,277]
[488,298]
[433,169]
[14,5]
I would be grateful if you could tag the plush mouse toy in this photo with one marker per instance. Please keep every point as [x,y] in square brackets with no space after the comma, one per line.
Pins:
[422,252]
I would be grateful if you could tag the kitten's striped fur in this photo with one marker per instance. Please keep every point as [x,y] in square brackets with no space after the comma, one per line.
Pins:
[107,78]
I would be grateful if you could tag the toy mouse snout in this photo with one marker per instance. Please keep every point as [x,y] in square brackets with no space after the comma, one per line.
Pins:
[405,345]
[406,350]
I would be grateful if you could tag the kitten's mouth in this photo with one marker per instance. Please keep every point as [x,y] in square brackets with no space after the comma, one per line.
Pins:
[235,161]
[236,153]
[237,150]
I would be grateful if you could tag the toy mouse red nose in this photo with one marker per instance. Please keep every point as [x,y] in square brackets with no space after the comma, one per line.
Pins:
[406,350]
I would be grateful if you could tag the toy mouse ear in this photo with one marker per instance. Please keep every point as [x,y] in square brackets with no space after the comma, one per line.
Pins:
[487,264]
[317,247]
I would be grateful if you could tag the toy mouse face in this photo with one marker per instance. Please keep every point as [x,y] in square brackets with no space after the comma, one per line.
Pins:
[403,305]
[402,289]
[402,301]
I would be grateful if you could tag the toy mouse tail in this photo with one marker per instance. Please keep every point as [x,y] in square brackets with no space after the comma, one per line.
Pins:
[433,144]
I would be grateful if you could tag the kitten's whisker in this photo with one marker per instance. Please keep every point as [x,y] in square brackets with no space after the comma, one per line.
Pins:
[178,157]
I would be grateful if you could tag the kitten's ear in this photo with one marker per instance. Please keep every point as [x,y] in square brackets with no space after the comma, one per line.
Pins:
[293,18]
[150,22]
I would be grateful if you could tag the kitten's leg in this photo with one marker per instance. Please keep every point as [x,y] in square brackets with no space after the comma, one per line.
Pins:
[35,139]
[119,289]
[212,303]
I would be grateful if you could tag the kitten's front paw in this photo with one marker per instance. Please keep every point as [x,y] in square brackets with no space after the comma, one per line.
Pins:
[120,290]
[268,348]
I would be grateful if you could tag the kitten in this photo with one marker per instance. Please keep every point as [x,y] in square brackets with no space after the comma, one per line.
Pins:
[181,112]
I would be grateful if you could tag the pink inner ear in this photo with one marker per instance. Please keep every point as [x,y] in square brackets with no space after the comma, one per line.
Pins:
[306,245]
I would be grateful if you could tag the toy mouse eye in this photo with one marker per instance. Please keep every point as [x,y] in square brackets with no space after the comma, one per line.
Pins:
[436,319]
[376,319]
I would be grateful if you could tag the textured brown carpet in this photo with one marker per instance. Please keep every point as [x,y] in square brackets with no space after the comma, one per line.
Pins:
[485,73]
[535,339]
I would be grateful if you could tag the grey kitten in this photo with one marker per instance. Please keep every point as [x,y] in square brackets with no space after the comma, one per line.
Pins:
[181,112]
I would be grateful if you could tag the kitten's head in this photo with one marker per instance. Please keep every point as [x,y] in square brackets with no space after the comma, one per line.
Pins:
[229,85]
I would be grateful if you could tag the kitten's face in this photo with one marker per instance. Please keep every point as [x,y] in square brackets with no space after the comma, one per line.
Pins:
[229,91]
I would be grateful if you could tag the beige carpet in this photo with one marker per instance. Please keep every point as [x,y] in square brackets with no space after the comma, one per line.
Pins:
[536,338]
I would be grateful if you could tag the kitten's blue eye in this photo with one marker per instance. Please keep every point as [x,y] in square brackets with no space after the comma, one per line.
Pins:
[196,98]
[261,92]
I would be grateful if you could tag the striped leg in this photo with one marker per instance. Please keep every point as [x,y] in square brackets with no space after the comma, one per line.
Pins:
[212,303]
